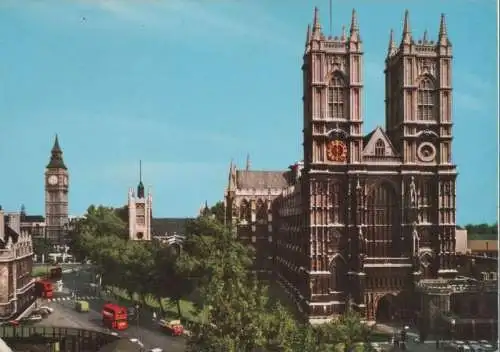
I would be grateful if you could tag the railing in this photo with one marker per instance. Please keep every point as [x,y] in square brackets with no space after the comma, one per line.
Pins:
[85,339]
[6,255]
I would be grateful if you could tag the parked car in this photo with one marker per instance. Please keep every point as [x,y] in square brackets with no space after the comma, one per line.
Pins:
[174,327]
[34,318]
[43,312]
[137,341]
[48,309]
[82,306]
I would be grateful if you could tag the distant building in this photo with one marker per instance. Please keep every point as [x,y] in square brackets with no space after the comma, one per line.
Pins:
[462,308]
[56,195]
[461,241]
[140,212]
[52,225]
[483,244]
[16,262]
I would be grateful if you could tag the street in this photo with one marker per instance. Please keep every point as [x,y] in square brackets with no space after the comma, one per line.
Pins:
[65,315]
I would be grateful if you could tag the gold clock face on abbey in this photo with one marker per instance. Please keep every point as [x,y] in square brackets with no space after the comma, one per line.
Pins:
[336,151]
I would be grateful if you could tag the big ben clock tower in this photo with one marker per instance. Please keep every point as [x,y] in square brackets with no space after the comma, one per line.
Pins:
[56,195]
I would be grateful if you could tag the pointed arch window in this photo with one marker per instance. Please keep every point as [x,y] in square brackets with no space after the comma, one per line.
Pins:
[336,97]
[261,211]
[426,100]
[245,212]
[380,148]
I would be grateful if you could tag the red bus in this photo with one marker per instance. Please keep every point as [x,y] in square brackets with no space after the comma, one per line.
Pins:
[44,289]
[114,316]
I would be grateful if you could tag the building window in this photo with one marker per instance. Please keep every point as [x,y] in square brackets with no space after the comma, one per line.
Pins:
[261,211]
[245,211]
[425,108]
[336,98]
[382,220]
[380,148]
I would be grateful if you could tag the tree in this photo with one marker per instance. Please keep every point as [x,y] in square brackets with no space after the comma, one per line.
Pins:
[41,246]
[234,302]
[219,211]
[169,279]
[482,229]
[97,222]
[343,333]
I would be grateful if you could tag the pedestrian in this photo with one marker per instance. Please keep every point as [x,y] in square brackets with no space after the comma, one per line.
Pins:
[154,315]
[437,344]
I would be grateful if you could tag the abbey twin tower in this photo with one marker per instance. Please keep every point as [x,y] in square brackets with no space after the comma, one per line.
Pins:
[364,216]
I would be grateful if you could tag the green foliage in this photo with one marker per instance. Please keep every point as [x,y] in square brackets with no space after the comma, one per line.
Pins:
[97,222]
[218,211]
[41,246]
[214,266]
[482,229]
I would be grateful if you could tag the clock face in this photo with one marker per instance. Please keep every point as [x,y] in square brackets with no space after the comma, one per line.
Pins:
[65,180]
[336,151]
[53,180]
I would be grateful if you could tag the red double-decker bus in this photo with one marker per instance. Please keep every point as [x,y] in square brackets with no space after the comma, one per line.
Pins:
[114,316]
[44,289]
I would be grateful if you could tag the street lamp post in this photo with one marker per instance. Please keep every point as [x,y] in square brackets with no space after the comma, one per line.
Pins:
[137,313]
[452,332]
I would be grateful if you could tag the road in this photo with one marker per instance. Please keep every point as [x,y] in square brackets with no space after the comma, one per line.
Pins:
[65,315]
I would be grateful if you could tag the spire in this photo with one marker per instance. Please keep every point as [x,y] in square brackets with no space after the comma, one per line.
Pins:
[140,186]
[425,39]
[406,29]
[56,147]
[344,35]
[230,182]
[354,31]
[316,28]
[316,24]
[443,32]
[392,45]
[247,168]
[56,158]
[354,21]
[308,34]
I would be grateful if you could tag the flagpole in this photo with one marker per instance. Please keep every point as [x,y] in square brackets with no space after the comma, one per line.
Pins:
[330,14]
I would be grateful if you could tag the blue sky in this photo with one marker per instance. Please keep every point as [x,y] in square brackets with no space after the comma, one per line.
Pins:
[187,85]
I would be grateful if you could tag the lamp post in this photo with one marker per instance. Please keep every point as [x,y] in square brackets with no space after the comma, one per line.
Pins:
[452,331]
[137,306]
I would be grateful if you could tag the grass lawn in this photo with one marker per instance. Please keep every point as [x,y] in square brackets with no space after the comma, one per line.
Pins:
[188,312]
[40,270]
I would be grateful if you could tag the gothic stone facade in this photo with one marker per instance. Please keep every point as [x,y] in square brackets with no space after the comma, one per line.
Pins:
[364,217]
[16,262]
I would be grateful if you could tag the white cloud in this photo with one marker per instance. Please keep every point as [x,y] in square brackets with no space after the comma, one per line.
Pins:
[187,18]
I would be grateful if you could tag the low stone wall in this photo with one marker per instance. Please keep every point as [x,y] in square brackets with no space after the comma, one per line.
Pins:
[70,339]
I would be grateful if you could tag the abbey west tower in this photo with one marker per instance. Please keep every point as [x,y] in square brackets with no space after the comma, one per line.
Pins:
[378,209]
[56,195]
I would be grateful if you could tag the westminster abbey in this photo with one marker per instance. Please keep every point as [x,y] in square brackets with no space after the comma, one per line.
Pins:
[364,217]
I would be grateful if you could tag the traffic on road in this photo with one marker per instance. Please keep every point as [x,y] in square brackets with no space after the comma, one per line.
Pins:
[73,302]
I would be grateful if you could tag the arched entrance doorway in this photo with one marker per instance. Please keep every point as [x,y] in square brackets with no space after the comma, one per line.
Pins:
[387,309]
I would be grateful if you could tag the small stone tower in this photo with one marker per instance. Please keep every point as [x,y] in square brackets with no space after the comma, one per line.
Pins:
[139,212]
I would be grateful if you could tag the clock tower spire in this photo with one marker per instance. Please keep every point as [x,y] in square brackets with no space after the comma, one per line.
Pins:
[56,194]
